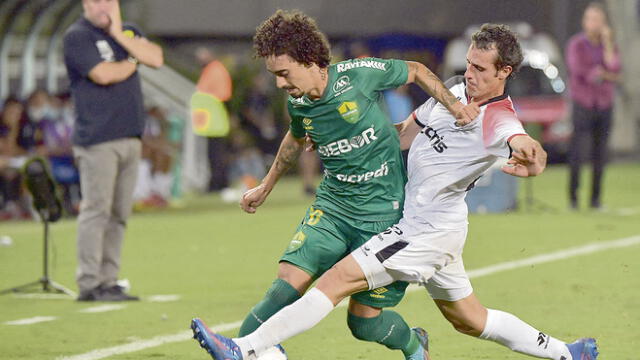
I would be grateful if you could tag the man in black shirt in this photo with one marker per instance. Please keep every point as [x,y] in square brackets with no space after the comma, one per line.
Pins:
[102,56]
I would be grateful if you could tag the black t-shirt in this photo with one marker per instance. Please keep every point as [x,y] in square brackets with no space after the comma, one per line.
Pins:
[108,112]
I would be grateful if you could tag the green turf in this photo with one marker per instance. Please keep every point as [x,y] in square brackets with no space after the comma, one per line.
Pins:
[220,261]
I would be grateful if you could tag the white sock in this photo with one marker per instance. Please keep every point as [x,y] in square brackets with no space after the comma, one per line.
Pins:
[519,336]
[292,320]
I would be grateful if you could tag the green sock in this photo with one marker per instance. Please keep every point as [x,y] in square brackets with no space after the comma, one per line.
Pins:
[388,329]
[278,296]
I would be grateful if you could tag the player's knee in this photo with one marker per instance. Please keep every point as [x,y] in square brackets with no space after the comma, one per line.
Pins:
[466,327]
[359,328]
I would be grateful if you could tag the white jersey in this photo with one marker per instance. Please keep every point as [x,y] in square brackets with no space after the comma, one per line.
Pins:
[445,160]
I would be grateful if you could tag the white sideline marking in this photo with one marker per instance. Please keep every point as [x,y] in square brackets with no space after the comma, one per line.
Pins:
[144,344]
[44,296]
[103,308]
[509,265]
[162,298]
[29,321]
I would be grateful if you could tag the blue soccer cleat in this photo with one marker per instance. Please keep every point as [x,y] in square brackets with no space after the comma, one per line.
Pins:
[218,346]
[423,351]
[583,349]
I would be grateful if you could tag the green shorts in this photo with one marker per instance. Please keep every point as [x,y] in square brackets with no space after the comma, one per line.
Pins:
[322,239]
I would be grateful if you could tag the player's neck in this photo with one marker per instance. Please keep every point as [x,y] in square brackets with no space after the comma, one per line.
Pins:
[320,84]
[489,95]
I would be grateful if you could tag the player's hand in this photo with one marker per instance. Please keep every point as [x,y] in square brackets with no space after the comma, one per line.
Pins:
[527,163]
[253,198]
[115,27]
[467,113]
[309,144]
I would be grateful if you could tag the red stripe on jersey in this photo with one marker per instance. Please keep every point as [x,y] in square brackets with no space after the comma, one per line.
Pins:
[497,114]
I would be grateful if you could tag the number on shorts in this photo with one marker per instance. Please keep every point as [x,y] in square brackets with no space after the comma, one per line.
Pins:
[314,216]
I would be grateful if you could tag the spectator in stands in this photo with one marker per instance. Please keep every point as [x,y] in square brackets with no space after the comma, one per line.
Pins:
[56,123]
[19,138]
[215,80]
[594,64]
[259,118]
[153,189]
[102,56]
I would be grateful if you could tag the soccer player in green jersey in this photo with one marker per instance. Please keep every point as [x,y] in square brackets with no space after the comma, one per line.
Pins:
[339,107]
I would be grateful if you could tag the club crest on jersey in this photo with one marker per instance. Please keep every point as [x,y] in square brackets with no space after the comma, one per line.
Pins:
[437,141]
[349,111]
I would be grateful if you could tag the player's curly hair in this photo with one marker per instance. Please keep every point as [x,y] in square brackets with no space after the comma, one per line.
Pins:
[505,42]
[295,34]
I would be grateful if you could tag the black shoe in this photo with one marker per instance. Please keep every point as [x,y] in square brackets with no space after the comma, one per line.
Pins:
[116,293]
[90,295]
[100,293]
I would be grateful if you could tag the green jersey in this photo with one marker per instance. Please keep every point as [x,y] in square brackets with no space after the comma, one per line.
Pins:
[359,148]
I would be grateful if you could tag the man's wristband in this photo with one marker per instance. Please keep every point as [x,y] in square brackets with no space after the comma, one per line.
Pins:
[133,60]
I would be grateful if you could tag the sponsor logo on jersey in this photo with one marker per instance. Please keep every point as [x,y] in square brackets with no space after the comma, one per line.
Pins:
[361,63]
[377,293]
[296,242]
[105,50]
[341,83]
[359,178]
[437,141]
[341,86]
[349,111]
[307,124]
[343,146]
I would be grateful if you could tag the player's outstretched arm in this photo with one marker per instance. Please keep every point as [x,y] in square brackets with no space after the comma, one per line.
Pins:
[290,149]
[527,159]
[429,82]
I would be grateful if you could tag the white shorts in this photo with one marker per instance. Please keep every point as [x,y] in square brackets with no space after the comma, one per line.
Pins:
[432,259]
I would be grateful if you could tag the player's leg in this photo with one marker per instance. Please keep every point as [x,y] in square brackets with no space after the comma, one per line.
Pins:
[450,287]
[314,247]
[291,282]
[386,327]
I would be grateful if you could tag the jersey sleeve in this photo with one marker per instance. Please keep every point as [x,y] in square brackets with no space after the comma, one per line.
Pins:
[295,125]
[382,74]
[421,114]
[80,52]
[500,124]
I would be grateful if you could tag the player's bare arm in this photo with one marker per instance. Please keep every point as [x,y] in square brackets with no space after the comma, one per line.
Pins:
[290,149]
[528,157]
[429,82]
[143,50]
[407,130]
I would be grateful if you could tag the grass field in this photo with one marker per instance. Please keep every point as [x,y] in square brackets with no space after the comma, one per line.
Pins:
[220,261]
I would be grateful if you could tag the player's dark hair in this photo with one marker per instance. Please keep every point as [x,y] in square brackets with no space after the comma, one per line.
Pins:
[295,34]
[505,42]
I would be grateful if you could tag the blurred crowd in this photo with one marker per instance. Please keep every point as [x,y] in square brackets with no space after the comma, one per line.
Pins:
[42,125]
[39,125]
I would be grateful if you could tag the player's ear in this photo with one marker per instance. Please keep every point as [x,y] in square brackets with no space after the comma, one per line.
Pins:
[504,72]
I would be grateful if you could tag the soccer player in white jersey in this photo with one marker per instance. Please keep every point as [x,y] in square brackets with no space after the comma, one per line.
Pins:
[425,247]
